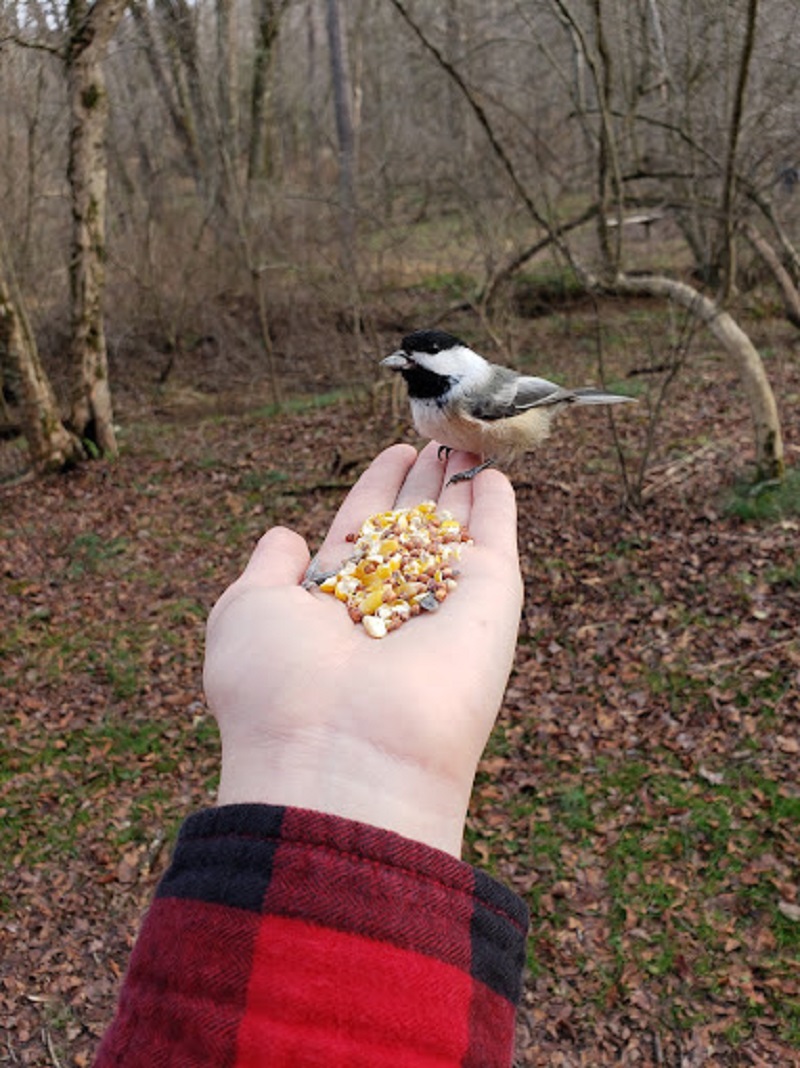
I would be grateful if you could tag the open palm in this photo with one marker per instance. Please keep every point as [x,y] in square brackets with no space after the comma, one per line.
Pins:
[315,713]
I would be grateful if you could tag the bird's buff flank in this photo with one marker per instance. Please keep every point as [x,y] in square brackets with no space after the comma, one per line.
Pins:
[402,566]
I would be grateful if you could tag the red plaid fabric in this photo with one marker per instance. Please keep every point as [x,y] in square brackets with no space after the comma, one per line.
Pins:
[291,939]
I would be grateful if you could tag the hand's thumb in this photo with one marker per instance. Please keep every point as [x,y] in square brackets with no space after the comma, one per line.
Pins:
[280,559]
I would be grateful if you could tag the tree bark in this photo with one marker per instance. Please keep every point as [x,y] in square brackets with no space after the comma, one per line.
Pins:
[727,221]
[52,447]
[226,77]
[783,280]
[764,410]
[170,87]
[267,24]
[90,30]
[345,134]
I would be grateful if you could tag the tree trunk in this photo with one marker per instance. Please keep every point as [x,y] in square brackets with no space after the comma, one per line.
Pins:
[90,30]
[51,445]
[267,24]
[170,89]
[345,134]
[784,281]
[727,220]
[226,78]
[769,442]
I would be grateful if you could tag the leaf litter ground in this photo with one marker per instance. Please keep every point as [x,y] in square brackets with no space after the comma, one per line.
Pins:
[640,789]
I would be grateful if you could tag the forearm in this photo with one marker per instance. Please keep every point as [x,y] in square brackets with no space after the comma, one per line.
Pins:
[290,938]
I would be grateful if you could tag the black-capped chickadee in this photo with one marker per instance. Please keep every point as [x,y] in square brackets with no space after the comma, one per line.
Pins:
[465,402]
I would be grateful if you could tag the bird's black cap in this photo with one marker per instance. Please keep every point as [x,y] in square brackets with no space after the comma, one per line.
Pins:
[429,341]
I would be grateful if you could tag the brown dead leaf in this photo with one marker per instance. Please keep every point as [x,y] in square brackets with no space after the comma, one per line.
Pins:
[787,744]
[790,910]
[128,868]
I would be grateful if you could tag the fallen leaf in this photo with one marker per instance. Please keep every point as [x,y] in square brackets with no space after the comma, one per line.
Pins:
[789,910]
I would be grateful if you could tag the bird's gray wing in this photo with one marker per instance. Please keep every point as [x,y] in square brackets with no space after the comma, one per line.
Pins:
[512,393]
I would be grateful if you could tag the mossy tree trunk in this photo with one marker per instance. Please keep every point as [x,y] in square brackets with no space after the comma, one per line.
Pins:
[52,446]
[91,27]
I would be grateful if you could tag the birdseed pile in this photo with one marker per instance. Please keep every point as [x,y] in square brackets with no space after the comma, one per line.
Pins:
[402,565]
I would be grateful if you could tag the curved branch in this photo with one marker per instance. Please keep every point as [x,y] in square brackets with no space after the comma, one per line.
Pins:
[783,280]
[489,292]
[769,442]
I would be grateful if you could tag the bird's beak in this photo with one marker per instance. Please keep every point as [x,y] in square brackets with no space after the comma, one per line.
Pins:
[398,361]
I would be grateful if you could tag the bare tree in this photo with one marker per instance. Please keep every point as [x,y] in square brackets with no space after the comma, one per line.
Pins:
[52,447]
[727,207]
[268,15]
[90,29]
[345,134]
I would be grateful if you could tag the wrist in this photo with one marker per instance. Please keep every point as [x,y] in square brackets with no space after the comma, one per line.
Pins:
[349,778]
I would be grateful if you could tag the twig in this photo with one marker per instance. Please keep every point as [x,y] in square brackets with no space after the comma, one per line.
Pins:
[677,471]
[705,669]
[658,1050]
[36,46]
[51,1048]
[153,851]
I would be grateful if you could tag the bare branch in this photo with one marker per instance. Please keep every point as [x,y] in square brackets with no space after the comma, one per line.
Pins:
[729,185]
[483,119]
[35,46]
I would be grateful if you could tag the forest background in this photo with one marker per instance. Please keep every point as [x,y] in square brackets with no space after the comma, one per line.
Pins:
[216,218]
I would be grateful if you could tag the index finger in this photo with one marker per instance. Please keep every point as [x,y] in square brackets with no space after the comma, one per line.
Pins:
[493,520]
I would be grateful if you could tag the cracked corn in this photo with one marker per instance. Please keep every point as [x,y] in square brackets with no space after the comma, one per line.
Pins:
[402,565]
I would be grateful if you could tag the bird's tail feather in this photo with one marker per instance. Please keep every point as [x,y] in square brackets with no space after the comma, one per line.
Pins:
[589,395]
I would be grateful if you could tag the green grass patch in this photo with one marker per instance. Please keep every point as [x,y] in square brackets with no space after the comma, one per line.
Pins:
[688,877]
[256,483]
[766,502]
[785,576]
[455,285]
[295,405]
[57,788]
[91,553]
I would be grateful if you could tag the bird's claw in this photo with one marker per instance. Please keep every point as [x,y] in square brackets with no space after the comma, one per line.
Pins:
[470,473]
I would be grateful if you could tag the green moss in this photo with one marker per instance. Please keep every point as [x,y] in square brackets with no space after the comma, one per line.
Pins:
[90,97]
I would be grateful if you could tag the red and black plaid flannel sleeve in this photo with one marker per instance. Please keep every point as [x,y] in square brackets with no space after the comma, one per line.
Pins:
[290,938]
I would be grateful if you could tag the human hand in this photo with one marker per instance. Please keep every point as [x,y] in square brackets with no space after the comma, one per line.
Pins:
[316,714]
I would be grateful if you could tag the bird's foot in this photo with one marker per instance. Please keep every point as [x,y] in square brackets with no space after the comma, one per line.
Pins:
[470,473]
[443,451]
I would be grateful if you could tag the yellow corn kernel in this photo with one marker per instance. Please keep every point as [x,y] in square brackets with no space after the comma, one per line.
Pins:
[372,601]
[345,587]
